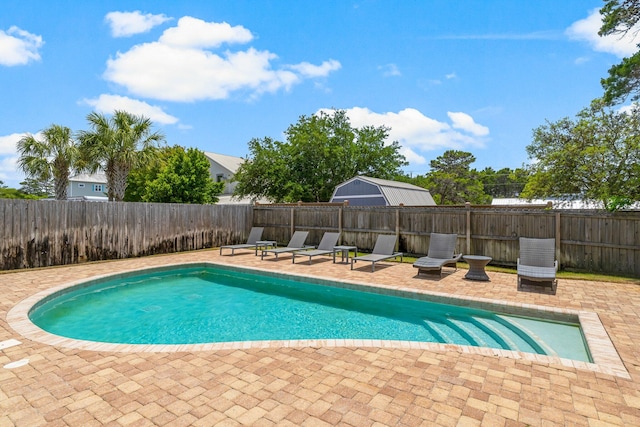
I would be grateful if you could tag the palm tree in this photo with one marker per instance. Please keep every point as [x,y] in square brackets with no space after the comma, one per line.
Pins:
[117,145]
[53,157]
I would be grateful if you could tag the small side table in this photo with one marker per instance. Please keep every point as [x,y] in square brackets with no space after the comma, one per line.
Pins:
[476,267]
[344,252]
[265,244]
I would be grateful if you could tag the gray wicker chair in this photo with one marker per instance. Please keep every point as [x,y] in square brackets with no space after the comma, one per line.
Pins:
[383,249]
[329,240]
[295,244]
[537,261]
[254,236]
[441,253]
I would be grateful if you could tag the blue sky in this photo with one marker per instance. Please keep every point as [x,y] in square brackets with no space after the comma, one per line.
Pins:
[474,75]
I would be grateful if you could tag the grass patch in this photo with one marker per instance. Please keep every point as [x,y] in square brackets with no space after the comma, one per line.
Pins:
[563,274]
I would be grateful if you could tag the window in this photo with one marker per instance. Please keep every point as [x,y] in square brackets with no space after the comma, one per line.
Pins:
[81,185]
[219,177]
[98,188]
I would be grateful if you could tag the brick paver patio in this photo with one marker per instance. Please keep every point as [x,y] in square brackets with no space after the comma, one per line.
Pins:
[319,385]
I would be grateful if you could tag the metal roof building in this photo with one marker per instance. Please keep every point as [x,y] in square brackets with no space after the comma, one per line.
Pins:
[366,191]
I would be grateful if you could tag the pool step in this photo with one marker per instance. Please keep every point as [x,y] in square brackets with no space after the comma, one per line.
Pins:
[527,335]
[495,332]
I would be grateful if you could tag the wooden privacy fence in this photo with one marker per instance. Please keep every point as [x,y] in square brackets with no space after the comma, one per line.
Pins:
[585,240]
[39,233]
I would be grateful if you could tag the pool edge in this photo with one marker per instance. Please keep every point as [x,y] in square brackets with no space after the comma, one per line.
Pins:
[605,356]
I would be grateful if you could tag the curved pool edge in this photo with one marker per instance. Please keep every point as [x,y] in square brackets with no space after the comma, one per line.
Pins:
[605,357]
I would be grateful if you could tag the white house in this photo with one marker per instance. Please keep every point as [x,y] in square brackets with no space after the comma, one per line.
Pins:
[88,187]
[222,168]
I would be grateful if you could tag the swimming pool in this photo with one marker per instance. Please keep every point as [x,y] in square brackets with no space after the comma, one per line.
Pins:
[208,304]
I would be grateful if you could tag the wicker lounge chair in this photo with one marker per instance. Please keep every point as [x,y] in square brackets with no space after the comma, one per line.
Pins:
[537,261]
[295,244]
[441,253]
[329,240]
[383,249]
[254,236]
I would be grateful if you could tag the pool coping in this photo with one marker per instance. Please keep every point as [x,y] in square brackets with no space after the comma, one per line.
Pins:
[605,356]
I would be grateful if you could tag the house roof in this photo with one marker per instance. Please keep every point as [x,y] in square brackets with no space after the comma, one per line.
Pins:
[98,178]
[396,192]
[230,163]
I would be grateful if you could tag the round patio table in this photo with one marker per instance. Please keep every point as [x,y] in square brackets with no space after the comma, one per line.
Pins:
[476,267]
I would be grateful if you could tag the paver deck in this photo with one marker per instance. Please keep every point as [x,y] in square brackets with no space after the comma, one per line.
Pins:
[318,385]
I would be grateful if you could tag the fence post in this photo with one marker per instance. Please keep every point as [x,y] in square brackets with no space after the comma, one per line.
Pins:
[293,225]
[340,223]
[398,227]
[558,236]
[468,208]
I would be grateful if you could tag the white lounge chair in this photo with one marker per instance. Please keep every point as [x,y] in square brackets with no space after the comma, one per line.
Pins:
[329,240]
[537,261]
[254,236]
[295,244]
[383,249]
[441,253]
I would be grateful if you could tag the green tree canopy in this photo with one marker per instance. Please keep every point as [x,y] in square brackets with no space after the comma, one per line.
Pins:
[595,157]
[504,182]
[321,151]
[37,187]
[452,181]
[117,145]
[618,18]
[175,176]
[50,158]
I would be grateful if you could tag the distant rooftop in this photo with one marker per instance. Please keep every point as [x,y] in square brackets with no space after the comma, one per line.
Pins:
[230,163]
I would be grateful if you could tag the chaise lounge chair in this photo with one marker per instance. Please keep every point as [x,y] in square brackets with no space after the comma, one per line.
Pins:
[537,261]
[383,249]
[329,240]
[295,244]
[441,253]
[252,241]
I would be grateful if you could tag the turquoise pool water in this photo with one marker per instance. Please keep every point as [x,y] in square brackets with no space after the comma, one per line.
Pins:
[203,305]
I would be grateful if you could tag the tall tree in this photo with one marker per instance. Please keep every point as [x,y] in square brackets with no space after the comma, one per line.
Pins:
[596,157]
[452,181]
[117,145]
[618,18]
[321,151]
[178,176]
[50,158]
[37,187]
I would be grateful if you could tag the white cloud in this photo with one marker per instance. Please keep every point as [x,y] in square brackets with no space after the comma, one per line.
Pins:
[450,76]
[9,172]
[196,33]
[418,133]
[19,47]
[390,70]
[322,70]
[107,104]
[8,143]
[125,24]
[587,30]
[465,122]
[10,175]
[179,67]
[628,108]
